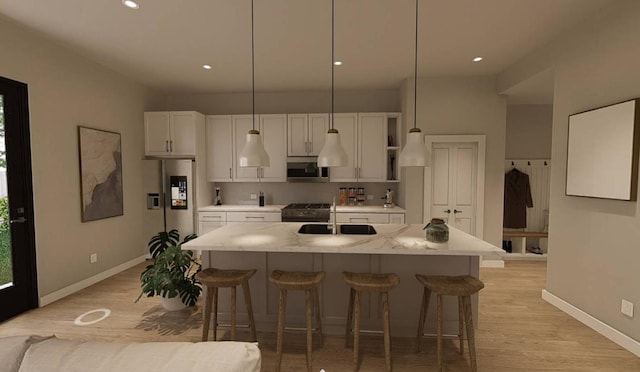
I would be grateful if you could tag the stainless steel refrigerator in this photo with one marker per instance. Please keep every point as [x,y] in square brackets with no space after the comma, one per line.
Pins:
[170,188]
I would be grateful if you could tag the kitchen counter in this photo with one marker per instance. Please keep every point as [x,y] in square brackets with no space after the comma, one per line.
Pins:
[241,208]
[401,249]
[284,237]
[278,207]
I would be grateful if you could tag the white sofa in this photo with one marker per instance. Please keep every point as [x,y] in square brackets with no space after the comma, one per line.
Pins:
[50,354]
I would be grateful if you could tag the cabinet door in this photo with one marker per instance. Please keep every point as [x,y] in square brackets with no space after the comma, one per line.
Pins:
[362,217]
[396,218]
[372,142]
[219,148]
[317,132]
[183,133]
[346,124]
[297,140]
[156,133]
[274,134]
[242,124]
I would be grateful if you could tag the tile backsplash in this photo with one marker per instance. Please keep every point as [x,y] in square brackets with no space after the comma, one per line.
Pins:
[286,193]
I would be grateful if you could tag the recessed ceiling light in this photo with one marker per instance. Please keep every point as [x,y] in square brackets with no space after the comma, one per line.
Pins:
[477,59]
[206,67]
[130,4]
[337,63]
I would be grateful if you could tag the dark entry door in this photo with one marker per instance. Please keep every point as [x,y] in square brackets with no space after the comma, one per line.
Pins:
[18,284]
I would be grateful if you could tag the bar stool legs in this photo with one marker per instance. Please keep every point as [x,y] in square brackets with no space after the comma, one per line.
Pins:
[308,282]
[462,287]
[213,279]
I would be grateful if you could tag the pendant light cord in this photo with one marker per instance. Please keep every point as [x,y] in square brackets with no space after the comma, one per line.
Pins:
[332,62]
[415,74]
[253,75]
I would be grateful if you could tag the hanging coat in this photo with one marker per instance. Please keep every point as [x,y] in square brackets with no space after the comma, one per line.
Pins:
[517,197]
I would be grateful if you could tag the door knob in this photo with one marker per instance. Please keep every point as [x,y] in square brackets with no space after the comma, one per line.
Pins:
[455,211]
[447,211]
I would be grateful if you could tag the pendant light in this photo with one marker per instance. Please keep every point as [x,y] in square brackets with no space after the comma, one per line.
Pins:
[415,153]
[253,153]
[332,153]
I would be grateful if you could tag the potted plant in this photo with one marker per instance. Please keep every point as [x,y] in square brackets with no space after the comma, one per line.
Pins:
[173,272]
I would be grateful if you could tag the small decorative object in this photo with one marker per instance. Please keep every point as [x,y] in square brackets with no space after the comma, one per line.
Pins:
[173,273]
[100,173]
[437,231]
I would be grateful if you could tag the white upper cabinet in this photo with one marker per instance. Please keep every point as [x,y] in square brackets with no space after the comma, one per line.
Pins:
[219,148]
[372,147]
[306,133]
[273,129]
[363,136]
[171,133]
[347,126]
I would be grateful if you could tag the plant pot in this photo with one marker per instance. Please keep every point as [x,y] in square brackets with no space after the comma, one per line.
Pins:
[172,304]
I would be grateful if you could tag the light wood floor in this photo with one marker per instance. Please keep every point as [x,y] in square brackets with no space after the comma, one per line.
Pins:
[518,331]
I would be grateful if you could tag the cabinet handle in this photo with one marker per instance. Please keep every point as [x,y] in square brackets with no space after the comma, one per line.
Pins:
[310,147]
[306,148]
[254,217]
[230,173]
[166,145]
[170,145]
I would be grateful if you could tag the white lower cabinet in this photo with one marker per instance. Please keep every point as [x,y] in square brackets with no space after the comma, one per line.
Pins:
[208,221]
[349,217]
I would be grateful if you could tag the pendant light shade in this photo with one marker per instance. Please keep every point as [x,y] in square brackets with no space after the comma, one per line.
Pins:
[253,154]
[332,153]
[415,153]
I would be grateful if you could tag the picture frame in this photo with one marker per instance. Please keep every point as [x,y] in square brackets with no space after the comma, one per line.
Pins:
[603,151]
[100,153]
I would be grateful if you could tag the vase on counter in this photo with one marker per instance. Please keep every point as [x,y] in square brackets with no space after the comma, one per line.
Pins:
[437,231]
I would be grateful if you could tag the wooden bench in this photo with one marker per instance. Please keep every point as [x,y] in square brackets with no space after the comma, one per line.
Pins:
[520,243]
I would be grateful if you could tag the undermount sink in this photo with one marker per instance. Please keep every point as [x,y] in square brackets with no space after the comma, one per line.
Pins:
[344,229]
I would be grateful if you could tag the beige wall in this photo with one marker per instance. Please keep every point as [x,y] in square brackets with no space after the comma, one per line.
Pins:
[593,243]
[459,105]
[288,102]
[529,131]
[66,90]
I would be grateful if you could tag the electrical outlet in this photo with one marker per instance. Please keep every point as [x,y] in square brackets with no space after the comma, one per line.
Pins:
[94,258]
[369,197]
[627,308]
[253,196]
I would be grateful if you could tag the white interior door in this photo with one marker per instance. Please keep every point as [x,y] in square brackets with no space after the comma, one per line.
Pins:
[454,184]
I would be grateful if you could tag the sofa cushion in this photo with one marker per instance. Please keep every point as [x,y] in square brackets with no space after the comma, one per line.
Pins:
[72,356]
[12,350]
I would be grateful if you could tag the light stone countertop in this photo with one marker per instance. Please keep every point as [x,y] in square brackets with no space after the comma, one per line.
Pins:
[284,237]
[278,207]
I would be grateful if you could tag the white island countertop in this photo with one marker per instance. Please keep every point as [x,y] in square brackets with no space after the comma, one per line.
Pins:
[284,237]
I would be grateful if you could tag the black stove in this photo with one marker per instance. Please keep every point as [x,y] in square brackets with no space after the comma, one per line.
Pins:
[306,212]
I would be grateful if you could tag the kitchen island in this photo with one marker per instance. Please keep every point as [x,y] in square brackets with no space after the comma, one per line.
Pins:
[394,248]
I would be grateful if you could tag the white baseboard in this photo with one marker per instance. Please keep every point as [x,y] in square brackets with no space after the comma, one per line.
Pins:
[64,292]
[495,264]
[593,323]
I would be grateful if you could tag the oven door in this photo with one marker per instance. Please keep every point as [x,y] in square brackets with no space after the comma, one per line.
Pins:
[305,169]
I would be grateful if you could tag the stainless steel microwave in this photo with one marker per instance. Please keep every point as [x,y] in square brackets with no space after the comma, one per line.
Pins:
[305,169]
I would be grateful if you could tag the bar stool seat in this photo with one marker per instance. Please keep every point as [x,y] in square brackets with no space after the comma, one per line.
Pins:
[461,286]
[368,282]
[213,279]
[302,281]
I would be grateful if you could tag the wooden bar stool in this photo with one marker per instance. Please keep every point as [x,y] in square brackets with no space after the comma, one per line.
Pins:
[368,282]
[300,281]
[215,278]
[462,287]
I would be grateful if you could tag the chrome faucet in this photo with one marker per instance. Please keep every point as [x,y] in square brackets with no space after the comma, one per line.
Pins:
[334,222]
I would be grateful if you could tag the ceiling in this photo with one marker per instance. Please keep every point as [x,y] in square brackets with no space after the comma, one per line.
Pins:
[164,44]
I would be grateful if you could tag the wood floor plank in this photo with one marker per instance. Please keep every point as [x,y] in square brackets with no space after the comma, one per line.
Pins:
[517,330]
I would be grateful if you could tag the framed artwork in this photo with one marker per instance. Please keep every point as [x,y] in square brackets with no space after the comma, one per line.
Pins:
[603,151]
[100,173]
